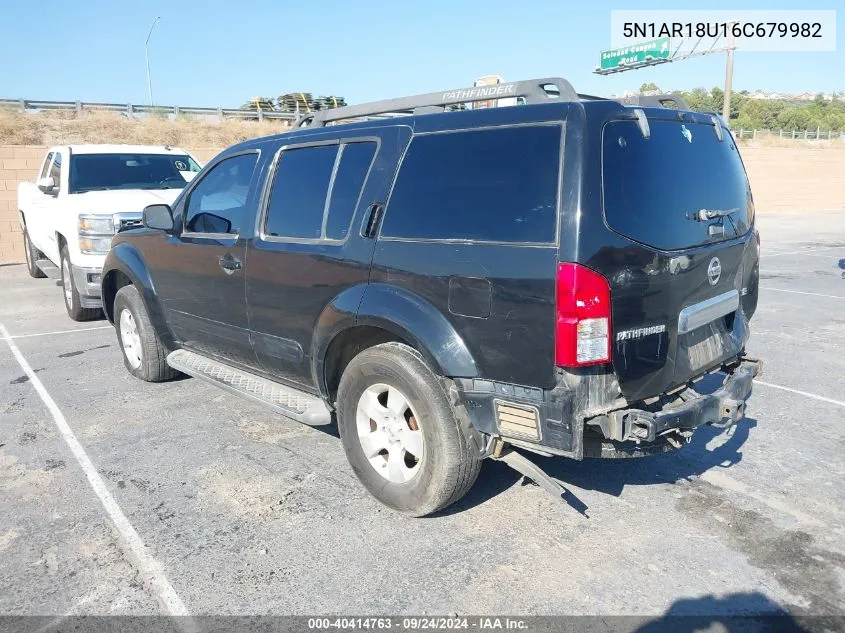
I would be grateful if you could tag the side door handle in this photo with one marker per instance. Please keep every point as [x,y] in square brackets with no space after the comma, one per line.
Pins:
[371,222]
[229,263]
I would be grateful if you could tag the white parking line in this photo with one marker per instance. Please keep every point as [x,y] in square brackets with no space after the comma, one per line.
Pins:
[148,567]
[800,393]
[804,251]
[799,292]
[81,329]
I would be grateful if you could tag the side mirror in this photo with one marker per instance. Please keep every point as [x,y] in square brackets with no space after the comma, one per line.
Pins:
[47,185]
[158,216]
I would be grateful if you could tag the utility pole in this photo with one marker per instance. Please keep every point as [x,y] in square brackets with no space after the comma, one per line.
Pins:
[729,76]
[147,57]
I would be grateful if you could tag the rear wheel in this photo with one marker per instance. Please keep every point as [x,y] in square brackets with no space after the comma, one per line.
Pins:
[401,435]
[73,304]
[32,255]
[144,353]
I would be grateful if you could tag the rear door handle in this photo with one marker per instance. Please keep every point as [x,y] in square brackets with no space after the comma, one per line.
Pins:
[374,213]
[229,263]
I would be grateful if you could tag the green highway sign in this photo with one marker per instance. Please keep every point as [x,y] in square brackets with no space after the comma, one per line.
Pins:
[635,54]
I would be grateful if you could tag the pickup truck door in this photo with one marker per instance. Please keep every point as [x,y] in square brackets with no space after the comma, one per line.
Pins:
[37,207]
[308,247]
[198,272]
[49,218]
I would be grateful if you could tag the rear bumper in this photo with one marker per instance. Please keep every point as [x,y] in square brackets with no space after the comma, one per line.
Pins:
[688,410]
[563,427]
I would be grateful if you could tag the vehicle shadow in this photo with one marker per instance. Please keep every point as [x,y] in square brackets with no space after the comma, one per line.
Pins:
[610,476]
[745,612]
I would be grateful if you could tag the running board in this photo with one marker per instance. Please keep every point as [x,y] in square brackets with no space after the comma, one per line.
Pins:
[49,268]
[292,403]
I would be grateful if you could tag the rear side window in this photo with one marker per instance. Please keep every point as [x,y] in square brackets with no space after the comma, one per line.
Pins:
[298,196]
[317,187]
[355,161]
[497,185]
[655,189]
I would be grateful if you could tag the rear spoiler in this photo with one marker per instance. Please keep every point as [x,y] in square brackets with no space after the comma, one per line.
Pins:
[665,100]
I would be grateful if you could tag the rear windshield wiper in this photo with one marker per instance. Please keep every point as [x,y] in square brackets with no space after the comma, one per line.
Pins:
[703,215]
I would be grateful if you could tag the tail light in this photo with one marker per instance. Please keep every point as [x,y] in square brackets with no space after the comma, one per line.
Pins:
[582,329]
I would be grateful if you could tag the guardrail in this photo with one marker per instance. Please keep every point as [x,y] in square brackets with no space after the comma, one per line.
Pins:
[28,105]
[804,135]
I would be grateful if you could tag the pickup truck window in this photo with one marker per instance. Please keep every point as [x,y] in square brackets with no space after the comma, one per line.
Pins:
[217,204]
[99,172]
[46,168]
[56,169]
[315,187]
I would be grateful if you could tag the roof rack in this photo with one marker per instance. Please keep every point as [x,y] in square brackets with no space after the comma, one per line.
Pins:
[656,101]
[530,91]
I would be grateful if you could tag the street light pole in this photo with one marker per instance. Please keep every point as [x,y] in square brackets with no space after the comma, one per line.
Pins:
[729,76]
[147,57]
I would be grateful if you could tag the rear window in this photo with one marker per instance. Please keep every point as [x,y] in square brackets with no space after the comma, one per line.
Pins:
[495,185]
[656,189]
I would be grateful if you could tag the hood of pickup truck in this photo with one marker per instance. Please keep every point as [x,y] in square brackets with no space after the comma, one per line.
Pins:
[121,200]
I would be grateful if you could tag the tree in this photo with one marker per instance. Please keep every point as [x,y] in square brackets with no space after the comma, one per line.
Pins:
[649,87]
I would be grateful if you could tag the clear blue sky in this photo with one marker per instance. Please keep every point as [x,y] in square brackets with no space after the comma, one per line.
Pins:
[214,53]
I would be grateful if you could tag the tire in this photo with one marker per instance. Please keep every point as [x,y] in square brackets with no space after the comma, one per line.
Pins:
[73,305]
[31,254]
[144,353]
[416,485]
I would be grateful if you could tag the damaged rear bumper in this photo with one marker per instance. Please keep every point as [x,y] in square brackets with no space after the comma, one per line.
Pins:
[550,422]
[688,410]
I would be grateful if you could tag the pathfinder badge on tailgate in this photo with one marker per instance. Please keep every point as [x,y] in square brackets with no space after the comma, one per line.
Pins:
[640,332]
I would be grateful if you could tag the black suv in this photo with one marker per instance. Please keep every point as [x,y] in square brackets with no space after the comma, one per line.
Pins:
[557,275]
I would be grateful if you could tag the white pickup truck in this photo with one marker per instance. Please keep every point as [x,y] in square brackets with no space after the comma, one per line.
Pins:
[83,196]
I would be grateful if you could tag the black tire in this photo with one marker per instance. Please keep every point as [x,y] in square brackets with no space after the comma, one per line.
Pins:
[450,463]
[153,365]
[32,254]
[73,305]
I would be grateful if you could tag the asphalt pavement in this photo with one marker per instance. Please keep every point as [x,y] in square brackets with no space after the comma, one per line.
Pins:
[123,497]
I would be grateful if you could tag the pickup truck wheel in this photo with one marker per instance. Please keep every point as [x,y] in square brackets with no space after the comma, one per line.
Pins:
[72,303]
[144,354]
[31,254]
[401,435]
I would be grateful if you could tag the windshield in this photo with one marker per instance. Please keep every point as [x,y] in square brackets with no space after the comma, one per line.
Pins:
[98,172]
[681,187]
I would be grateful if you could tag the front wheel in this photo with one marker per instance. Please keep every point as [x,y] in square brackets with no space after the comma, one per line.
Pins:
[31,253]
[401,435]
[144,353]
[73,303]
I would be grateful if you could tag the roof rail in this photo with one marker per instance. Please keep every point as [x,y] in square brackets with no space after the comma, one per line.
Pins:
[657,101]
[531,91]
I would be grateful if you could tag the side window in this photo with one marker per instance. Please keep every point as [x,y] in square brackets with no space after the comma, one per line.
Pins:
[56,169]
[497,185]
[46,168]
[355,161]
[218,203]
[298,197]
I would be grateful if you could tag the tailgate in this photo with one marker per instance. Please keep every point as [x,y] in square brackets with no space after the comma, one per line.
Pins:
[683,282]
